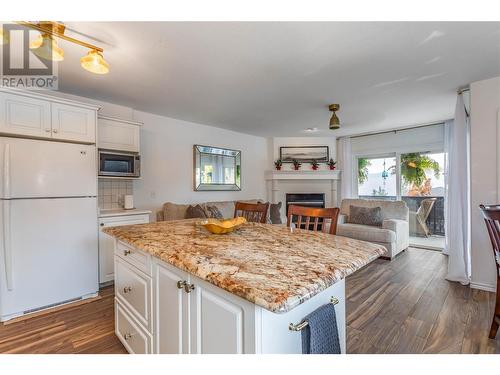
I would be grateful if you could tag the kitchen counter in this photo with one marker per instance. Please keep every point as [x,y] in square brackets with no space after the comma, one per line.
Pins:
[122,212]
[268,265]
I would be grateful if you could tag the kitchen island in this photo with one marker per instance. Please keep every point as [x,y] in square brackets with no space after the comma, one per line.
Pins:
[180,289]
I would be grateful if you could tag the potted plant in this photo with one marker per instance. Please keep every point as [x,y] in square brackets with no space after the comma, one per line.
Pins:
[278,163]
[314,164]
[296,164]
[413,170]
[332,164]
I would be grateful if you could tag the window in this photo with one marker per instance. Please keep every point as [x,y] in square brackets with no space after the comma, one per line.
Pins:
[377,177]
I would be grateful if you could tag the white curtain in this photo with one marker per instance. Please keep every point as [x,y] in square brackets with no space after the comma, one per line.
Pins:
[456,198]
[345,165]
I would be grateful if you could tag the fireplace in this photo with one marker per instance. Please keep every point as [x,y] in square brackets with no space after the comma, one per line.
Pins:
[307,200]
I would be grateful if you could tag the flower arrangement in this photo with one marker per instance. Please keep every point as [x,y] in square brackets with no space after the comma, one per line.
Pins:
[278,163]
[296,164]
[314,164]
[332,164]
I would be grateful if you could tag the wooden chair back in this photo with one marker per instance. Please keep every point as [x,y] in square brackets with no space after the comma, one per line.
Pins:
[491,216]
[305,214]
[253,212]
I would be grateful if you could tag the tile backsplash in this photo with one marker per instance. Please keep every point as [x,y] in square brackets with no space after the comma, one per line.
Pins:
[111,192]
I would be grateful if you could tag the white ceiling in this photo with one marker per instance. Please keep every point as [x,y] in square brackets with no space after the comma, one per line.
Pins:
[276,79]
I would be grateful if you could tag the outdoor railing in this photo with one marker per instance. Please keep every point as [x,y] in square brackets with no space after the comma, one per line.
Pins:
[435,220]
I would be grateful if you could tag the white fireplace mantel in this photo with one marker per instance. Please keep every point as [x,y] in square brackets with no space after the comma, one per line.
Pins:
[279,183]
[303,175]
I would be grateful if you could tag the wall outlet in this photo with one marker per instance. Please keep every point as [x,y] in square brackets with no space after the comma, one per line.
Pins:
[153,194]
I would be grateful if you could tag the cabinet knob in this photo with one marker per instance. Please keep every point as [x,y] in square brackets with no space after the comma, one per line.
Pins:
[126,252]
[188,287]
[181,284]
[127,336]
[127,289]
[102,224]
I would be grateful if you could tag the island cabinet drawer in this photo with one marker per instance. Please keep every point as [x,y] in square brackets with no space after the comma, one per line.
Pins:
[133,289]
[135,339]
[134,257]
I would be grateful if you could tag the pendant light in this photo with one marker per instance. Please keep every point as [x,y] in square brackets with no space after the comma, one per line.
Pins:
[94,63]
[46,48]
[334,120]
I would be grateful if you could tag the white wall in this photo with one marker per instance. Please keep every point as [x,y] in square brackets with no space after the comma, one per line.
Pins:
[485,107]
[167,157]
[277,142]
[167,162]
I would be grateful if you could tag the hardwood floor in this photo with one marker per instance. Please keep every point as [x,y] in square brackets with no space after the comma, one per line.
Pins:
[403,306]
[86,328]
[407,306]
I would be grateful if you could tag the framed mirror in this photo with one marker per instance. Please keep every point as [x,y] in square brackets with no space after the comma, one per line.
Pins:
[216,169]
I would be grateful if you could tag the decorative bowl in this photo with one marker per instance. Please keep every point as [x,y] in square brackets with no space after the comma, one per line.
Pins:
[216,226]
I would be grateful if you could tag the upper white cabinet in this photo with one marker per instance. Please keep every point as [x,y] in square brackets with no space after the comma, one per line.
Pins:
[116,134]
[73,123]
[41,116]
[24,116]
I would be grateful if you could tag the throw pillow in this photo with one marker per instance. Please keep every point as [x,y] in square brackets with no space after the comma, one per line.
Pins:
[213,212]
[195,212]
[275,213]
[365,215]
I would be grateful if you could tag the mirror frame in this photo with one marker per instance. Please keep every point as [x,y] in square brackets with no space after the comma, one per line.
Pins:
[214,187]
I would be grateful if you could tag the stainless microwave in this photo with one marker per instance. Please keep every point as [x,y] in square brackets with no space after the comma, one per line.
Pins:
[119,164]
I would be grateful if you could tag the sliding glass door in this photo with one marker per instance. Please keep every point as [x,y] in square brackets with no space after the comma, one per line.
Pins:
[416,178]
[423,189]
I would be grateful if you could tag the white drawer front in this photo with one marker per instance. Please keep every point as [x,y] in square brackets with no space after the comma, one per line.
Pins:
[135,257]
[130,333]
[133,289]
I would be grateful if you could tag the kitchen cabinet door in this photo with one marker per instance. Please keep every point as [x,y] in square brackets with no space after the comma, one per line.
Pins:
[72,123]
[114,134]
[171,310]
[26,116]
[218,321]
[107,243]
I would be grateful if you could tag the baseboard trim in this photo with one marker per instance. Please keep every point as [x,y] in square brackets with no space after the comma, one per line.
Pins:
[482,286]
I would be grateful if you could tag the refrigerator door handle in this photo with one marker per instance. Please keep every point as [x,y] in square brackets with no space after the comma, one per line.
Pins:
[7,245]
[6,171]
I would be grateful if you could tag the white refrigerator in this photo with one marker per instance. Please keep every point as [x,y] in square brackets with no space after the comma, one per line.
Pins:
[48,224]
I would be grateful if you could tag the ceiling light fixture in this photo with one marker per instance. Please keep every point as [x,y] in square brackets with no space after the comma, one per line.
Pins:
[45,46]
[311,130]
[334,120]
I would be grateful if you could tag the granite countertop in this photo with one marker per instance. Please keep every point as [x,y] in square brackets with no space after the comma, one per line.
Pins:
[266,264]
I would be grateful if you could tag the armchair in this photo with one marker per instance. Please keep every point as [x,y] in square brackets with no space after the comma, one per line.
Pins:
[393,233]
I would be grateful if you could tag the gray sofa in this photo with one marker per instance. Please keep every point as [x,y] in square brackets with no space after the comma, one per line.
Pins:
[174,211]
[394,232]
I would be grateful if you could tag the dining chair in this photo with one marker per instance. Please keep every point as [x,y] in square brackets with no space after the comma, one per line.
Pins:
[491,216]
[253,212]
[308,213]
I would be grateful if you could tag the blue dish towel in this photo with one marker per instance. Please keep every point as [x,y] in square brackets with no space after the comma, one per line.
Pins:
[321,335]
